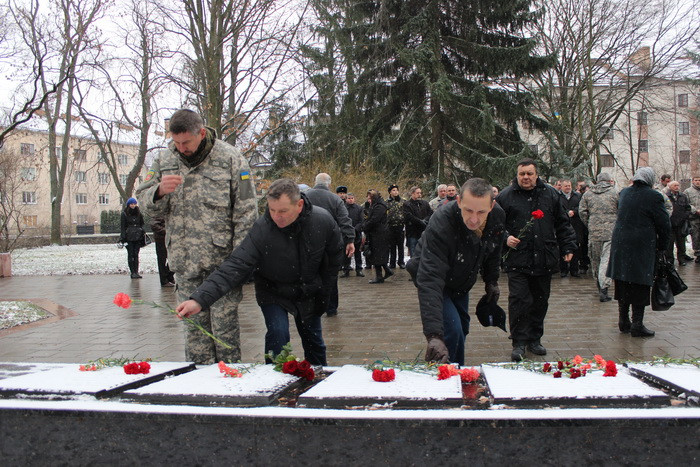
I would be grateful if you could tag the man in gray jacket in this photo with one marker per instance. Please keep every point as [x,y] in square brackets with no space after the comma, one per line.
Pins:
[693,193]
[598,210]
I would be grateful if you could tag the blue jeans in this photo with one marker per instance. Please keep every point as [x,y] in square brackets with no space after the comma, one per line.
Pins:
[411,243]
[455,321]
[277,335]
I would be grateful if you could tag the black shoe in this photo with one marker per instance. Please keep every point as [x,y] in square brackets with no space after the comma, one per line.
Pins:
[378,280]
[332,313]
[537,348]
[577,275]
[392,266]
[346,273]
[639,330]
[359,273]
[402,266]
[603,295]
[563,274]
[135,275]
[388,274]
[518,353]
[688,258]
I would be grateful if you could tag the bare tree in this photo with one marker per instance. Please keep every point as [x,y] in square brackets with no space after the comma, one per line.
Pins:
[608,53]
[11,202]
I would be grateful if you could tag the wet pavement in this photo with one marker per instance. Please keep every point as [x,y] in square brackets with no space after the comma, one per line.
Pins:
[374,322]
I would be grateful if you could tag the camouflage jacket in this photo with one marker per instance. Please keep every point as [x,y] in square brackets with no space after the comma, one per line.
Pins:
[598,210]
[694,197]
[394,212]
[208,215]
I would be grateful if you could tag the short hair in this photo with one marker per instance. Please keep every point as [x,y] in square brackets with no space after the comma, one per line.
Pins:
[323,179]
[185,121]
[442,187]
[351,194]
[414,188]
[284,186]
[665,177]
[565,180]
[477,187]
[451,184]
[528,161]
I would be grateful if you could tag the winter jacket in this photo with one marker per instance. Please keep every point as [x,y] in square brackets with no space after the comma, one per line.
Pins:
[572,204]
[293,267]
[377,231]
[681,209]
[132,226]
[395,216]
[356,214]
[416,214]
[693,194]
[449,257]
[321,196]
[642,228]
[545,240]
[598,210]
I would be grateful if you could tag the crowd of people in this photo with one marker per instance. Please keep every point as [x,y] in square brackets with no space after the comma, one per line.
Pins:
[530,230]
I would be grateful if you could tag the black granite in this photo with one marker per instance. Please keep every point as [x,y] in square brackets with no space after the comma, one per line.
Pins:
[53,437]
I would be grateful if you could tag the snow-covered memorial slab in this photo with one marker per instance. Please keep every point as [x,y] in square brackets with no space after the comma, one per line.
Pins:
[518,386]
[66,380]
[682,379]
[257,385]
[352,385]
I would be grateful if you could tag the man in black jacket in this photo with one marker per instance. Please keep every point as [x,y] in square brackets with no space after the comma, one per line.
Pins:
[416,213]
[463,238]
[538,232]
[356,214]
[295,251]
[680,216]
[570,200]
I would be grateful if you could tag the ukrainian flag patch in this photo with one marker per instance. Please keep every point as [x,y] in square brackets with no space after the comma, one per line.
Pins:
[245,175]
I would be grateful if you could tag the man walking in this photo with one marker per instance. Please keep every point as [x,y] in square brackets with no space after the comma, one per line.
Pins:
[204,190]
[463,238]
[598,210]
[570,200]
[538,232]
[294,251]
[693,193]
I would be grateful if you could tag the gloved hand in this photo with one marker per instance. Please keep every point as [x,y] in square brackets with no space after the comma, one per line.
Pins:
[493,293]
[437,350]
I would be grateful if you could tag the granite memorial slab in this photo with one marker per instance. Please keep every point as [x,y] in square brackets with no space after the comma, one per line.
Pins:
[352,385]
[681,379]
[12,369]
[259,385]
[66,380]
[520,386]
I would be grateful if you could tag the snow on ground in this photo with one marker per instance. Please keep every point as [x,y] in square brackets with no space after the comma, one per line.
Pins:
[13,313]
[79,259]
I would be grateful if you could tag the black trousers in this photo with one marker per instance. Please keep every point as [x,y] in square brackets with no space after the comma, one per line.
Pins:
[166,275]
[132,256]
[573,265]
[528,300]
[396,241]
[358,258]
[678,237]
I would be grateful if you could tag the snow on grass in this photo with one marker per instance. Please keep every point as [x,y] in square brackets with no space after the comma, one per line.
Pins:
[14,313]
[79,259]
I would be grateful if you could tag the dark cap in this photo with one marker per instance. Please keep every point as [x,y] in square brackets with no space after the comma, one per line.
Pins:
[341,189]
[391,187]
[490,314]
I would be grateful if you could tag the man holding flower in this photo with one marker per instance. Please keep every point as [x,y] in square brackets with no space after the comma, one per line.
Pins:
[538,232]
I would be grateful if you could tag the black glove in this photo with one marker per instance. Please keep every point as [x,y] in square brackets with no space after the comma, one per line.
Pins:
[493,293]
[437,350]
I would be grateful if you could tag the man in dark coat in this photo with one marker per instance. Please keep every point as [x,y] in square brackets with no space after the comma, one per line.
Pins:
[167,277]
[416,214]
[356,214]
[534,247]
[463,238]
[396,233]
[377,231]
[320,195]
[295,251]
[680,217]
[570,200]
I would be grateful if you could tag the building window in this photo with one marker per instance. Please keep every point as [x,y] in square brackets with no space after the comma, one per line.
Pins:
[606,160]
[684,156]
[82,219]
[608,133]
[81,198]
[534,149]
[28,174]
[26,149]
[643,145]
[28,197]
[29,221]
[641,118]
[80,176]
[683,128]
[682,100]
[103,198]
[103,178]
[80,155]
[122,179]
[122,159]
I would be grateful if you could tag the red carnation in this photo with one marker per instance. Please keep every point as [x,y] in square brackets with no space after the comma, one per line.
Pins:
[131,368]
[538,214]
[610,368]
[122,300]
[469,375]
[560,365]
[144,368]
[557,374]
[547,367]
[383,376]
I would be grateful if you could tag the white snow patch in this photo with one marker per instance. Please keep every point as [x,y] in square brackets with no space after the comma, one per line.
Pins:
[684,376]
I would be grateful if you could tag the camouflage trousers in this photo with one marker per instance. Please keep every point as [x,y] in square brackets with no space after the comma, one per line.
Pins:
[695,234]
[599,252]
[221,320]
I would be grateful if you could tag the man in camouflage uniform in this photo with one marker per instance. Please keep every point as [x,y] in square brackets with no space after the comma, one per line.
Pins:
[598,210]
[395,221]
[693,193]
[203,188]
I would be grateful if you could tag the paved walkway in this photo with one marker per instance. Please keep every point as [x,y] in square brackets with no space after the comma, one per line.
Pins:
[374,322]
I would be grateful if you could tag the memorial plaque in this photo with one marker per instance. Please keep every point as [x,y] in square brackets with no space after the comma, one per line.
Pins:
[524,387]
[67,380]
[681,379]
[353,385]
[259,385]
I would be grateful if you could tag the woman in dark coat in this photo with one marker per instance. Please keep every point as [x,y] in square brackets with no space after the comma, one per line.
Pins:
[377,232]
[132,234]
[642,229]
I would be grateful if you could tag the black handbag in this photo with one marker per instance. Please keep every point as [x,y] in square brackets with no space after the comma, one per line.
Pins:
[674,279]
[661,295]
